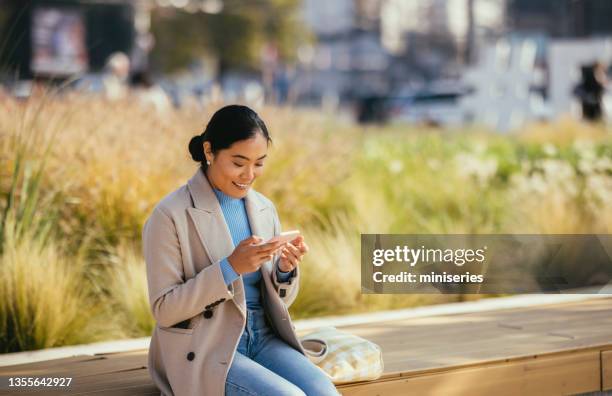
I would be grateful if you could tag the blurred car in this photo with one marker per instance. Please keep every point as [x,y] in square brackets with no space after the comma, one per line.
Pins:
[434,105]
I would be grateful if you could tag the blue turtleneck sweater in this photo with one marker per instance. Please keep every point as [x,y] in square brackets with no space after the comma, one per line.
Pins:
[237,221]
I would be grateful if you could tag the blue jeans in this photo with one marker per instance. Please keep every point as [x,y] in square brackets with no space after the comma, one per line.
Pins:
[265,365]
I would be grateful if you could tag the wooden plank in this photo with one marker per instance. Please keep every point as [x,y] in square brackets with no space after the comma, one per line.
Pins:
[93,365]
[410,355]
[120,383]
[126,383]
[558,321]
[571,315]
[417,332]
[564,374]
[46,364]
[422,362]
[606,370]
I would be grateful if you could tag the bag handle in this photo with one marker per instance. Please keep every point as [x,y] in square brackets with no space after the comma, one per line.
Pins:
[316,349]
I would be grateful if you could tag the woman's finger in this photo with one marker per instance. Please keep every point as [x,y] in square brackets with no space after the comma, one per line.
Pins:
[268,248]
[293,249]
[290,256]
[253,239]
[291,260]
[286,262]
[294,256]
[303,248]
[264,253]
[264,257]
[296,241]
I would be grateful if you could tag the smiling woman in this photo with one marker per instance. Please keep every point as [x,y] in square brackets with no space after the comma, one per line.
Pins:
[220,297]
[236,140]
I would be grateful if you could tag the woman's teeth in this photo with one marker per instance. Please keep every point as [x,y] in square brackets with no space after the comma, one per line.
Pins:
[242,186]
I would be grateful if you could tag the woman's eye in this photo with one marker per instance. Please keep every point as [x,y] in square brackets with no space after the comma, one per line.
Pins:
[238,165]
[259,165]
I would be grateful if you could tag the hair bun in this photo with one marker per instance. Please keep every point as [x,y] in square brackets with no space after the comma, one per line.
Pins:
[196,148]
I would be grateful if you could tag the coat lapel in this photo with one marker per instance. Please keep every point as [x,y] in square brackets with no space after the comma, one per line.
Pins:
[258,220]
[212,229]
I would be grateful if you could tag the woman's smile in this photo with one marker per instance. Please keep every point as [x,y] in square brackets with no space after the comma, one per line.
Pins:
[242,186]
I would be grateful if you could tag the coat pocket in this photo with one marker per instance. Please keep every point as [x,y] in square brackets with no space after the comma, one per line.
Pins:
[185,327]
[177,330]
[176,347]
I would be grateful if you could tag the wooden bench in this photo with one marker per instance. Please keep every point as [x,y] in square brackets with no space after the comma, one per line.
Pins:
[542,350]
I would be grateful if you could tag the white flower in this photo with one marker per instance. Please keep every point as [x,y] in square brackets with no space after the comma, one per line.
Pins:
[396,166]
[482,169]
[552,177]
[595,165]
[433,163]
[585,166]
[556,169]
[528,185]
[598,191]
[549,149]
[603,164]
[585,149]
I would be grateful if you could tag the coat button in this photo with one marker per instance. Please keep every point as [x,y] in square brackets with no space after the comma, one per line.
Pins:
[190,356]
[283,292]
[208,314]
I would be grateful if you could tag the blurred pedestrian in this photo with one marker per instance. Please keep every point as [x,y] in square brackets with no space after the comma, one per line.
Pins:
[115,77]
[149,93]
[590,91]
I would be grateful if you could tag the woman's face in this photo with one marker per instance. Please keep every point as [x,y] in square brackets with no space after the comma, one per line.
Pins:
[233,170]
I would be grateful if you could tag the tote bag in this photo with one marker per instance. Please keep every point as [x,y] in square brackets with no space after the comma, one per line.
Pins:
[344,357]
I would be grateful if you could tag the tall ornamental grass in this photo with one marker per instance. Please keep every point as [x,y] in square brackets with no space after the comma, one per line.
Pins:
[45,298]
[45,295]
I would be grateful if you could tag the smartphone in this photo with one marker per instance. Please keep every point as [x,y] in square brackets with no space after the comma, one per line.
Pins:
[286,236]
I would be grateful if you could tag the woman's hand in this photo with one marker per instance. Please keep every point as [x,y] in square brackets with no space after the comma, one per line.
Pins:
[248,257]
[292,254]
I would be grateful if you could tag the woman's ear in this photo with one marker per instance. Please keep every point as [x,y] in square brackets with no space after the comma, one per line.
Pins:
[208,151]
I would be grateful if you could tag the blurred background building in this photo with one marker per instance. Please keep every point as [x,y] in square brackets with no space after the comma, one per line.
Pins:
[561,18]
[61,38]
[498,62]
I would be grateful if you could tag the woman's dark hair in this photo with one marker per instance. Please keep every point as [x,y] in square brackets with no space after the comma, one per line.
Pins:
[228,125]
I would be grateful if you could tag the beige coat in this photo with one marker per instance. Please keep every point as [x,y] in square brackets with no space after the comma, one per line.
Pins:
[184,240]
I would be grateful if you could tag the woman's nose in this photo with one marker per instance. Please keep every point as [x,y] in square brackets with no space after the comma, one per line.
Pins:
[249,173]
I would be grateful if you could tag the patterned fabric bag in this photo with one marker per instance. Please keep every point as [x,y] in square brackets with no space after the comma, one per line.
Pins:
[342,356]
